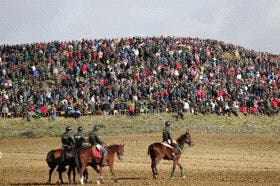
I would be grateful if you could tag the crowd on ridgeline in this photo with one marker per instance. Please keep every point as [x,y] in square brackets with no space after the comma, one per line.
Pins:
[132,74]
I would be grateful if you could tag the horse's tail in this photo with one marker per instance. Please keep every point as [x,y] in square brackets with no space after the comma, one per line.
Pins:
[150,148]
[50,158]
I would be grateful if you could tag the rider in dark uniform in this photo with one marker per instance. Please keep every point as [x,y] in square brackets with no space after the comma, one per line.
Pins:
[95,140]
[167,137]
[79,138]
[68,143]
[67,140]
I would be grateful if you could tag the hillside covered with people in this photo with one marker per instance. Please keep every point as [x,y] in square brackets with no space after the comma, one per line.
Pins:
[137,75]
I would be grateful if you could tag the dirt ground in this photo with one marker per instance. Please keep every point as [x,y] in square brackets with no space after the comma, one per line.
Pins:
[216,159]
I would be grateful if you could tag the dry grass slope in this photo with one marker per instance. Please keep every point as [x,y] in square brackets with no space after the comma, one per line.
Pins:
[142,124]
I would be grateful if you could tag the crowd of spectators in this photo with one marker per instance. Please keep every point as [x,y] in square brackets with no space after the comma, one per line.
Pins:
[152,74]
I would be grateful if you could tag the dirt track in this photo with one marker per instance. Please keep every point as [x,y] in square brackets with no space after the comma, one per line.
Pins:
[216,159]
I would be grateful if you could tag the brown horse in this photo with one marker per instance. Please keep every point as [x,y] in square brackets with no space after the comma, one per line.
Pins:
[159,151]
[85,157]
[53,159]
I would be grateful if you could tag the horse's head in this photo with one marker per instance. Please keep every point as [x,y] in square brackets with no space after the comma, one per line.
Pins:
[119,149]
[188,140]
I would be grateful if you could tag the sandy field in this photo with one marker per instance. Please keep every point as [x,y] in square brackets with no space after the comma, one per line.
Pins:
[216,159]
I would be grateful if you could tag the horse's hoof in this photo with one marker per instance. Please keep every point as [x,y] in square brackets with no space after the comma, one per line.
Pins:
[172,178]
[98,182]
[183,177]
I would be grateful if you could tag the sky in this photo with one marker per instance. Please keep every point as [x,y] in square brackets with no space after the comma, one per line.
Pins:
[253,24]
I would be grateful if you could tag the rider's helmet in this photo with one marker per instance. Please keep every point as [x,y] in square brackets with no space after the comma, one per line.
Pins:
[68,128]
[167,123]
[80,128]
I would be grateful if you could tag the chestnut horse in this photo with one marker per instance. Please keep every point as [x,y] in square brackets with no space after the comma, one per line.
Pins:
[159,151]
[85,157]
[53,159]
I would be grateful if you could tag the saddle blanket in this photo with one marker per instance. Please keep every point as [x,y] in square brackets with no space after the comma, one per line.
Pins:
[96,152]
[57,153]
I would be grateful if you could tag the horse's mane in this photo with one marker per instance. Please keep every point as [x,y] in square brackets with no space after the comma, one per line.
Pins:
[181,138]
[112,145]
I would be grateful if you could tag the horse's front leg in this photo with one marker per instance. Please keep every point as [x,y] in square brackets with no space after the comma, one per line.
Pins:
[173,170]
[183,174]
[112,172]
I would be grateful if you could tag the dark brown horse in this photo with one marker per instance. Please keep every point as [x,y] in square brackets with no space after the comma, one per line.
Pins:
[53,159]
[85,157]
[159,151]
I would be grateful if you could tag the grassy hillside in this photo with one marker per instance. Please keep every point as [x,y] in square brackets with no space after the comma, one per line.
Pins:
[144,123]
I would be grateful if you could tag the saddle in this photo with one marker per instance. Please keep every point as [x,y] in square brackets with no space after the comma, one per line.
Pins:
[166,144]
[96,152]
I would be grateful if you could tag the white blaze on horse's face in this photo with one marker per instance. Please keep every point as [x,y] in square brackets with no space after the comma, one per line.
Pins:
[120,156]
[120,153]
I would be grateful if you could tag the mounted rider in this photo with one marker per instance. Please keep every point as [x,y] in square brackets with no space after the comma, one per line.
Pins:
[79,137]
[68,145]
[167,137]
[67,139]
[96,140]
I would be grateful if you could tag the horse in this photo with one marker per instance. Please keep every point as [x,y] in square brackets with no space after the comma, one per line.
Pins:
[159,151]
[53,159]
[85,157]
